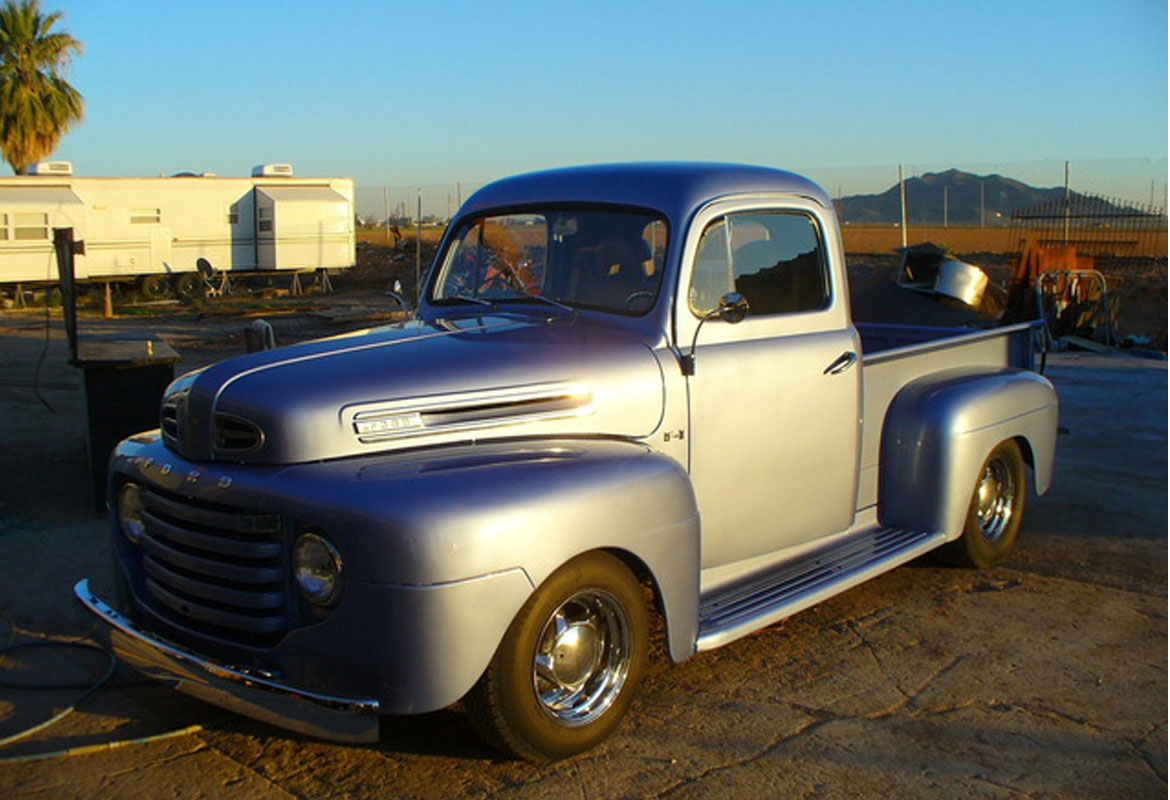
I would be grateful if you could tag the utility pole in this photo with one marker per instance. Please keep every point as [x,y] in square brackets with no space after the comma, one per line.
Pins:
[902,189]
[946,210]
[418,251]
[386,206]
[982,207]
[1067,209]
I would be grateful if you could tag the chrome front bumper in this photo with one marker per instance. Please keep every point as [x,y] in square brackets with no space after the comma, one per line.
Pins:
[336,718]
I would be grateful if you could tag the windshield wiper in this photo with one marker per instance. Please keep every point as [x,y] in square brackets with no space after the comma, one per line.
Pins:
[543,299]
[466,298]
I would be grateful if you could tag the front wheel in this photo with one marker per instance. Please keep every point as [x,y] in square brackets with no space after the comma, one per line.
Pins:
[568,667]
[997,507]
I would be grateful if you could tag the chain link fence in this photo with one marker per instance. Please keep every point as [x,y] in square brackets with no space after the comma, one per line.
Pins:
[1110,210]
[1135,181]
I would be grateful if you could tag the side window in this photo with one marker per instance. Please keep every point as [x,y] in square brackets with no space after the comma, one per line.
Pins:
[774,259]
[712,277]
[29,226]
[3,227]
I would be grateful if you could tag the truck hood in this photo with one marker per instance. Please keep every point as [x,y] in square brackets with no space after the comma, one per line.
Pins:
[416,384]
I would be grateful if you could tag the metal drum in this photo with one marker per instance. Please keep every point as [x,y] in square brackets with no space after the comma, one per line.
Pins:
[962,281]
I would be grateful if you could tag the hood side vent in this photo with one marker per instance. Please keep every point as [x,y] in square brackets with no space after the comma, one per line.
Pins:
[496,411]
[468,411]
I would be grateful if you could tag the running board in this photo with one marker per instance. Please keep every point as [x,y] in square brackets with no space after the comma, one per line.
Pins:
[746,607]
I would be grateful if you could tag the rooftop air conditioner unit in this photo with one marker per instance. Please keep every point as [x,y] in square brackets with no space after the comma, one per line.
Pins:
[51,168]
[272,171]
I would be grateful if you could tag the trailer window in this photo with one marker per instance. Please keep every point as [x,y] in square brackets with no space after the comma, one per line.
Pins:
[3,227]
[233,214]
[264,219]
[30,226]
[146,215]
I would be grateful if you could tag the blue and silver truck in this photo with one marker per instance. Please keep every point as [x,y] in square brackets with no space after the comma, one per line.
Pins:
[629,391]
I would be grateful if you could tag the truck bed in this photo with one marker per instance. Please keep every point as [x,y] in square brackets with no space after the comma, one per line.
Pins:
[894,355]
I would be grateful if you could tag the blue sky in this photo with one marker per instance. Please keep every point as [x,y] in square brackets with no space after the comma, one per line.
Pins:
[423,93]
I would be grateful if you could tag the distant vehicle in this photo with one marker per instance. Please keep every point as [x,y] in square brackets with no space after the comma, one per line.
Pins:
[160,232]
[655,389]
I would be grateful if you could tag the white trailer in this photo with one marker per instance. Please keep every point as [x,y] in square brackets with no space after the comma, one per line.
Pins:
[162,231]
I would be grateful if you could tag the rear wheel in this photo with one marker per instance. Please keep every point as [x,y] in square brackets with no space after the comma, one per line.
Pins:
[188,286]
[153,287]
[567,669]
[997,507]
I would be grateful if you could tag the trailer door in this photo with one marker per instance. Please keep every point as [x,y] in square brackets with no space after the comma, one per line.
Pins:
[160,248]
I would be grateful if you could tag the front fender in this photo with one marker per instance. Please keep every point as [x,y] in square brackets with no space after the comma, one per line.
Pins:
[939,430]
[441,547]
[452,513]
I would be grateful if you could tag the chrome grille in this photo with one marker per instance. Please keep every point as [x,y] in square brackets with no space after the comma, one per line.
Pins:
[215,569]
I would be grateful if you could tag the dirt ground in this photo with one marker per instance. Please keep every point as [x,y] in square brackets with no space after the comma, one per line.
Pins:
[1043,677]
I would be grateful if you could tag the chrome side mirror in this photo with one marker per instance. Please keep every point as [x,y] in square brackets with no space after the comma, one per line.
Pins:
[732,308]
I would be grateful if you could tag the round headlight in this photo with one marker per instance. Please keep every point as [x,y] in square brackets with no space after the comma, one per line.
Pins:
[317,566]
[130,512]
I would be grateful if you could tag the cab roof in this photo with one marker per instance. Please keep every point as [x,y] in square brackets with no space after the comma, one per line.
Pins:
[675,189]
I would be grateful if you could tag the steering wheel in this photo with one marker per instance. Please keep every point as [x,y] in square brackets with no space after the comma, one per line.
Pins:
[497,282]
[638,295]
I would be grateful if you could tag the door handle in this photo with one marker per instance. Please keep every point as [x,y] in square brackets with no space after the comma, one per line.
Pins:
[843,362]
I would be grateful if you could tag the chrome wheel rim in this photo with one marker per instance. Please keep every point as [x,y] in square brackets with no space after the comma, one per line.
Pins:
[582,658]
[995,499]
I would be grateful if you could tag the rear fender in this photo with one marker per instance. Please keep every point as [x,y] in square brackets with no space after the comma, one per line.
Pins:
[938,431]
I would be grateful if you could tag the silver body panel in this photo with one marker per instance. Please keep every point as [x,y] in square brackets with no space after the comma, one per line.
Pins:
[887,372]
[458,460]
[482,376]
[941,427]
[774,437]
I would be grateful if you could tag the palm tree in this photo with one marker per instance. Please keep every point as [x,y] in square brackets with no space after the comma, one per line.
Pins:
[37,104]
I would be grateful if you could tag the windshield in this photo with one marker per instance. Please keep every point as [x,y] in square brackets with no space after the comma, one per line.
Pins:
[597,259]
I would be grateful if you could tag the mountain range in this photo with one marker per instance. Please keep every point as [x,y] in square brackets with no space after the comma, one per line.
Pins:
[959,192]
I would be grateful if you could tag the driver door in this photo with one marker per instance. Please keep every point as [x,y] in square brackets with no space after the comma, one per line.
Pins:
[775,399]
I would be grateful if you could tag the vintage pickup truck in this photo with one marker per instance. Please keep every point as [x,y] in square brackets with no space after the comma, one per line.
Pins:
[628,390]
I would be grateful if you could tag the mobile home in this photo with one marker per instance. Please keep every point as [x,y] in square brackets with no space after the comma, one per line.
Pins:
[160,231]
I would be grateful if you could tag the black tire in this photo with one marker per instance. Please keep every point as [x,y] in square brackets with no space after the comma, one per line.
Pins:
[995,513]
[188,286]
[153,287]
[569,665]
